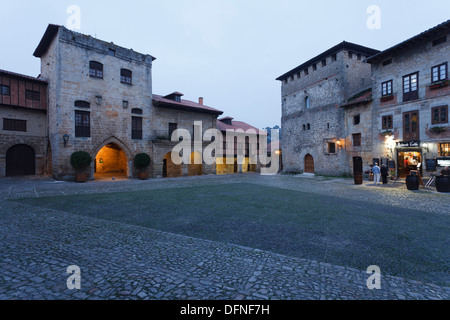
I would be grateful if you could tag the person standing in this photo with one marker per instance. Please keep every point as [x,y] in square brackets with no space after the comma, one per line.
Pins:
[384,173]
[376,173]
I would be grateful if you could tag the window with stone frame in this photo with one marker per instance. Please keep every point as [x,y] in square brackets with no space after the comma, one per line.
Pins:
[386,88]
[136,128]
[386,122]
[331,147]
[439,73]
[126,76]
[356,138]
[82,124]
[95,70]
[439,115]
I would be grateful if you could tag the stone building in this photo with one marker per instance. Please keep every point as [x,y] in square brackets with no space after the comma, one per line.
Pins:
[23,115]
[411,94]
[172,113]
[314,132]
[241,147]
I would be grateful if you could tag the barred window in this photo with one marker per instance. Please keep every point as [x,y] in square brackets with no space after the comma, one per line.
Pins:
[5,90]
[14,125]
[32,95]
[136,128]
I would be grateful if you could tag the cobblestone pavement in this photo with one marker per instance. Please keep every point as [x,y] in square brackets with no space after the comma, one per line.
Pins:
[119,261]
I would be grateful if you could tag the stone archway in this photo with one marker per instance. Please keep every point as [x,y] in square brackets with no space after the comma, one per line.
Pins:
[111,159]
[309,164]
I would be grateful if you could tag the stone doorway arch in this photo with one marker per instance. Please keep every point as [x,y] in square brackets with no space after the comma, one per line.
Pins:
[20,161]
[112,160]
[309,164]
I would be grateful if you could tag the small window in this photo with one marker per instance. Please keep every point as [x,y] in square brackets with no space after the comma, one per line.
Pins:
[386,122]
[112,52]
[5,90]
[32,95]
[439,73]
[298,75]
[285,81]
[82,124]
[358,56]
[136,128]
[328,125]
[308,126]
[14,125]
[356,139]
[350,55]
[314,67]
[82,104]
[439,40]
[96,70]
[304,127]
[331,148]
[306,71]
[439,115]
[307,102]
[125,76]
[125,104]
[324,62]
[357,119]
[386,88]
[292,78]
[334,57]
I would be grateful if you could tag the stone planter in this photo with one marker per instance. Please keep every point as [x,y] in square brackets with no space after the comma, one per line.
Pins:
[143,175]
[81,177]
[358,177]
[412,182]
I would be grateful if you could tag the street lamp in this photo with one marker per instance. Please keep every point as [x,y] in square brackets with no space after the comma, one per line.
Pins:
[66,139]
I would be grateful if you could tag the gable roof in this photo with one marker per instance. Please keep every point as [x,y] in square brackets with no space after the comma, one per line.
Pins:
[186,105]
[341,46]
[235,125]
[420,38]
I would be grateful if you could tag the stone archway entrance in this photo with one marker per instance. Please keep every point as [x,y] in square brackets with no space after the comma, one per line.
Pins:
[309,164]
[111,161]
[20,161]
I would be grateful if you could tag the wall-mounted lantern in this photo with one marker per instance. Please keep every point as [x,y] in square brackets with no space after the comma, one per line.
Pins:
[65,139]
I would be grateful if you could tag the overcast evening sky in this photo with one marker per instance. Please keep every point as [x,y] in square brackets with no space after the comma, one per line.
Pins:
[230,52]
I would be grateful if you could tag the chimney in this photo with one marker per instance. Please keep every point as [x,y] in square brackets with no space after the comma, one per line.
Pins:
[200,101]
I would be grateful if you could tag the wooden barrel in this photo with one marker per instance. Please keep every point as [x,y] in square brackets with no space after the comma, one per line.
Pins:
[412,182]
[358,176]
[443,183]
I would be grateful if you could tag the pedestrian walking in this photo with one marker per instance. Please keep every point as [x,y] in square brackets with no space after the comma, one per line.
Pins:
[384,173]
[376,173]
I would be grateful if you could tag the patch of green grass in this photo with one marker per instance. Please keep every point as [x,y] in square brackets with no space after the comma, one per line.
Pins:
[406,243]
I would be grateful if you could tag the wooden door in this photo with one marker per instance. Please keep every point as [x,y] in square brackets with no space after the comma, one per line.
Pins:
[309,164]
[20,161]
[411,126]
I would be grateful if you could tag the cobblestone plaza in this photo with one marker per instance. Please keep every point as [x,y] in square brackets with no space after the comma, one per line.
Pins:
[121,261]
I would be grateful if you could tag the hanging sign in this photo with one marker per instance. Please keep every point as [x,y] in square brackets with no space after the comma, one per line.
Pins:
[408,144]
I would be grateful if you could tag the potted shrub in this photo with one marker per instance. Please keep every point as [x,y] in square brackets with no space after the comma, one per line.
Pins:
[141,162]
[80,160]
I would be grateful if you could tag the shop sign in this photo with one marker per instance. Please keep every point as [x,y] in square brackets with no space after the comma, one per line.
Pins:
[408,144]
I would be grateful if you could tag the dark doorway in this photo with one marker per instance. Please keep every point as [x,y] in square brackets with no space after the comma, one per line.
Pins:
[20,161]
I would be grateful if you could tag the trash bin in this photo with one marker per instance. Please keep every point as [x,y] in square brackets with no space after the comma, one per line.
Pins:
[443,183]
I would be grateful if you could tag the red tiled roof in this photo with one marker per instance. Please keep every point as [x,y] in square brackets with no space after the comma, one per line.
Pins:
[235,125]
[184,105]
[362,97]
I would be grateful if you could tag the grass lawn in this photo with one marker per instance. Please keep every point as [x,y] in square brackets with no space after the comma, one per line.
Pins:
[405,243]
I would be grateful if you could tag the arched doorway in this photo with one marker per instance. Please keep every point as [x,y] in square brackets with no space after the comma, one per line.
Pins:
[170,169]
[20,161]
[111,161]
[195,167]
[309,164]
